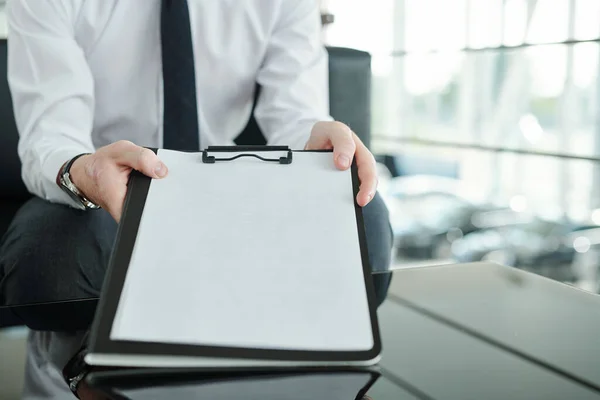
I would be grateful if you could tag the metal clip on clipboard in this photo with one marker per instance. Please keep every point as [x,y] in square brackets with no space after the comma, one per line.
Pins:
[247,152]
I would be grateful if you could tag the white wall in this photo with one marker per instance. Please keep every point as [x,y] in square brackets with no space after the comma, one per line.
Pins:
[2,21]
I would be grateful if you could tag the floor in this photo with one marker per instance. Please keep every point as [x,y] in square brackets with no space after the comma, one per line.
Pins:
[12,362]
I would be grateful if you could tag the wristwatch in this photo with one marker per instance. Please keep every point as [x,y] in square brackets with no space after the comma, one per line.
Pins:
[76,369]
[64,181]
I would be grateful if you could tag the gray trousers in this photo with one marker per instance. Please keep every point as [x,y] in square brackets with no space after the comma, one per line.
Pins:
[53,252]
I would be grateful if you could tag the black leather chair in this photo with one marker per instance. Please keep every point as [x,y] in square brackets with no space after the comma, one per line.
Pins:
[12,190]
[349,95]
[350,102]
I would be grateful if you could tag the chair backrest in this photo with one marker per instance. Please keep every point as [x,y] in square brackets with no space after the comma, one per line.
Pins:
[350,89]
[349,95]
[12,190]
[350,102]
[11,185]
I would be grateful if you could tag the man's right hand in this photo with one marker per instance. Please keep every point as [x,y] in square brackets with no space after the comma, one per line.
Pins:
[102,177]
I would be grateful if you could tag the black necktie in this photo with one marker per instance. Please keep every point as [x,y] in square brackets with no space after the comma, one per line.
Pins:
[180,121]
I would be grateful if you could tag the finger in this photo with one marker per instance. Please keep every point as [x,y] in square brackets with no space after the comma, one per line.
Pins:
[367,174]
[319,138]
[143,160]
[342,139]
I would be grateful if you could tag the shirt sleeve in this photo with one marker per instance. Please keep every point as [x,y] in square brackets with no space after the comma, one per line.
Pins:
[52,91]
[294,76]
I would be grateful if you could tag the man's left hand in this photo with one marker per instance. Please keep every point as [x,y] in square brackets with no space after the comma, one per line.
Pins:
[346,145]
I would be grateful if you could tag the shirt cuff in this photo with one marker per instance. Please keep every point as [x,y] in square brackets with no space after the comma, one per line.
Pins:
[50,169]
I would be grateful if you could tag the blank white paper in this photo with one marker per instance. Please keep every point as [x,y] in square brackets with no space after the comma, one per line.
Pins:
[248,253]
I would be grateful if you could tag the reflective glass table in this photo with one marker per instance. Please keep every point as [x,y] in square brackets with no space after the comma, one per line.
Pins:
[466,331]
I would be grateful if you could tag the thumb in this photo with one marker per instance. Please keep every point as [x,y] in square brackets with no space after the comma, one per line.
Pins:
[143,160]
[328,134]
[344,147]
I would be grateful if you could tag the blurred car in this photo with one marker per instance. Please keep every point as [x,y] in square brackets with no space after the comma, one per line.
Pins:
[428,214]
[427,224]
[585,242]
[545,247]
[515,245]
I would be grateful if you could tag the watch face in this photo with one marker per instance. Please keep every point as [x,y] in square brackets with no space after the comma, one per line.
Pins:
[65,184]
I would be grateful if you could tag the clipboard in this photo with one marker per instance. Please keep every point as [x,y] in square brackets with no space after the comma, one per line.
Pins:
[106,350]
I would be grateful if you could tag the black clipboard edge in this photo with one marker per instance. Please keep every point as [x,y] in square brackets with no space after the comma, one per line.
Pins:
[133,208]
[364,252]
[100,342]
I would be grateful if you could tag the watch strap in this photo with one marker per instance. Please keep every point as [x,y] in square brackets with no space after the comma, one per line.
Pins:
[67,167]
[65,182]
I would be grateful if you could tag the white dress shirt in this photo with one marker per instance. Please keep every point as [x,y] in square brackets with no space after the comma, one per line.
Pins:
[87,73]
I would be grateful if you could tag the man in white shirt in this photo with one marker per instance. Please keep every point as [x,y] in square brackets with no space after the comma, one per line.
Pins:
[94,82]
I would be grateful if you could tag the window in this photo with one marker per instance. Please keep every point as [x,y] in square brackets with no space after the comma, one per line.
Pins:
[505,74]
[506,90]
